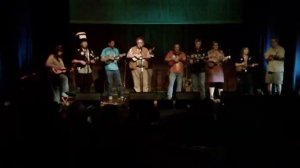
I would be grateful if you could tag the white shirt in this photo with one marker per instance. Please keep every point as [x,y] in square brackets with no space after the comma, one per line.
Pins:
[275,65]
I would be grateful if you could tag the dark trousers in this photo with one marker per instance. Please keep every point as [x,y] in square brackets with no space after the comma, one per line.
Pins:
[84,82]
[245,83]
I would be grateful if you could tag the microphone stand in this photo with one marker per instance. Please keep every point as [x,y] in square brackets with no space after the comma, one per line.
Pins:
[124,78]
[141,59]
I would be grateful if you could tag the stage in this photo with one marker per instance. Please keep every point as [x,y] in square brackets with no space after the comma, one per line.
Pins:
[149,131]
[146,130]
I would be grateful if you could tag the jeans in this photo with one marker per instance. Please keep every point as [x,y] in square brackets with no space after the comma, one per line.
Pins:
[198,83]
[60,85]
[64,83]
[172,77]
[114,76]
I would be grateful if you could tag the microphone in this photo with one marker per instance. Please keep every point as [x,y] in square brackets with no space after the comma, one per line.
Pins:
[140,52]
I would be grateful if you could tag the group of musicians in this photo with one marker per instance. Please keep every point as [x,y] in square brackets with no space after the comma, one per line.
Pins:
[204,67]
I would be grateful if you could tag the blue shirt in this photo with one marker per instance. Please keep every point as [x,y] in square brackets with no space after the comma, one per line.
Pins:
[106,52]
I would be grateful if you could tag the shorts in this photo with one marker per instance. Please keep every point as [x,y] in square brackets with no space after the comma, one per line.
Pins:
[274,77]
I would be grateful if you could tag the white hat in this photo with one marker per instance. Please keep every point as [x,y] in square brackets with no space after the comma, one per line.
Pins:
[81,36]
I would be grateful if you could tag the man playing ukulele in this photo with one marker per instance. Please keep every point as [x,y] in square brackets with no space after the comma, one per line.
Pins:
[139,55]
[110,55]
[175,59]
[275,69]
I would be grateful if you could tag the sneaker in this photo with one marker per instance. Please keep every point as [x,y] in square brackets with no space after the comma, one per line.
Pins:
[64,95]
[121,98]
[89,119]
[217,100]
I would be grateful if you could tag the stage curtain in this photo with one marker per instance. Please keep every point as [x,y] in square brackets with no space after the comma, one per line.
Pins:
[25,55]
[296,78]
[156,11]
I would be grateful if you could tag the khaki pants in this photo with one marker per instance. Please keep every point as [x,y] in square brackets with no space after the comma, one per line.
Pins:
[137,80]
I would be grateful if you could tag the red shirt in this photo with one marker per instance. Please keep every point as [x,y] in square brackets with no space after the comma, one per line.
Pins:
[176,66]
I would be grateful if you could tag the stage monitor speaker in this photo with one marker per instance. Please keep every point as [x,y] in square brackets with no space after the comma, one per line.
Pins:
[142,96]
[187,99]
[161,95]
[166,104]
[187,96]
[88,96]
[143,107]
[229,94]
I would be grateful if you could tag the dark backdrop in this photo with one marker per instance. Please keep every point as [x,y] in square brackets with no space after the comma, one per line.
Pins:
[232,37]
[31,30]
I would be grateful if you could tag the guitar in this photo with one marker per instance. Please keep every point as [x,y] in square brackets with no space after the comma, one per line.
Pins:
[243,68]
[115,58]
[212,64]
[187,81]
[139,61]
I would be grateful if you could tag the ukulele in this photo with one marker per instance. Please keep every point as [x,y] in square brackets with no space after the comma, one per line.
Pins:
[58,71]
[115,58]
[88,62]
[195,58]
[139,61]
[244,67]
[175,59]
[212,64]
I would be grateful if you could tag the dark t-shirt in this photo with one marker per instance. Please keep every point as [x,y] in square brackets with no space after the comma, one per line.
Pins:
[86,55]
[198,65]
[80,54]
[250,61]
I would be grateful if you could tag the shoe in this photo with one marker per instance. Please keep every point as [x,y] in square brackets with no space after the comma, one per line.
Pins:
[122,98]
[217,100]
[89,119]
[71,94]
[64,95]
